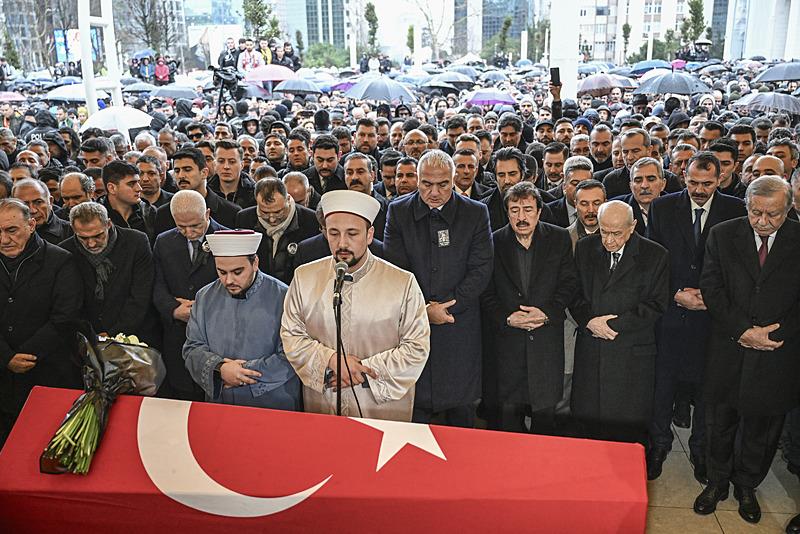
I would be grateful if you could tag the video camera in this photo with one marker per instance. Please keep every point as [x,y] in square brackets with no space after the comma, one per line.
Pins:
[228,77]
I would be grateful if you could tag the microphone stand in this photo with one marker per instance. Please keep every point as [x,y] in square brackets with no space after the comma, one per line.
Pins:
[337,314]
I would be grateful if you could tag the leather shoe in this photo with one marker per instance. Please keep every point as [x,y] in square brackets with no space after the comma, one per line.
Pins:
[749,509]
[700,471]
[682,415]
[794,525]
[706,502]
[655,460]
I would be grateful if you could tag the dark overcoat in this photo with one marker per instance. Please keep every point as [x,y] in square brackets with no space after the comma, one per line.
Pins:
[613,380]
[450,253]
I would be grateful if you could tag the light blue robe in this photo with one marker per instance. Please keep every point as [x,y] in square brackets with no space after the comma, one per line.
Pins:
[221,326]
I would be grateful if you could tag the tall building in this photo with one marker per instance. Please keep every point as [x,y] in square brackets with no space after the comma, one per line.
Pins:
[328,21]
[467,26]
[601,24]
[496,11]
[31,29]
[746,25]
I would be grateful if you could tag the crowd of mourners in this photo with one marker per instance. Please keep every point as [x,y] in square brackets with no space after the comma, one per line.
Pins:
[602,267]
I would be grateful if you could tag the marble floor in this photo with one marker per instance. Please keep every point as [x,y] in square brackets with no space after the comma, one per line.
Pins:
[672,496]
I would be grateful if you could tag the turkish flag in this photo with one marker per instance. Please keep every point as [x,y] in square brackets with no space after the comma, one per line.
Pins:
[152,474]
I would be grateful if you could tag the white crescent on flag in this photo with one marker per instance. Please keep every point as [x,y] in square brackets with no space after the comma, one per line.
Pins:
[163,436]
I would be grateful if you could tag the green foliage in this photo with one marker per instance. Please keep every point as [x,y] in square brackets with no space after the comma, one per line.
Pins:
[491,48]
[694,25]
[536,39]
[410,38]
[298,36]
[502,42]
[660,51]
[626,37]
[259,20]
[10,50]
[671,43]
[372,22]
[326,55]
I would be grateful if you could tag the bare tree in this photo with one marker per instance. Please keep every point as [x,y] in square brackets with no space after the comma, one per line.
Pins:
[64,18]
[438,31]
[145,22]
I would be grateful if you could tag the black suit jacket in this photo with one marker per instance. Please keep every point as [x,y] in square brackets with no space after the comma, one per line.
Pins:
[740,294]
[498,217]
[641,227]
[315,248]
[163,198]
[55,230]
[560,215]
[613,380]
[478,191]
[303,226]
[684,333]
[222,211]
[450,253]
[539,354]
[128,299]
[334,183]
[177,277]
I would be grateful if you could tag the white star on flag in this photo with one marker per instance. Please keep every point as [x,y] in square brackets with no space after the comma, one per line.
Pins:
[396,435]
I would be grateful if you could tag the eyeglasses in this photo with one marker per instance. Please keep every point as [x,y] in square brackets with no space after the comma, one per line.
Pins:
[197,135]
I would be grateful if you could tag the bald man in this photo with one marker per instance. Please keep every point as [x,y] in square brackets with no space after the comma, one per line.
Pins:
[624,281]
[768,166]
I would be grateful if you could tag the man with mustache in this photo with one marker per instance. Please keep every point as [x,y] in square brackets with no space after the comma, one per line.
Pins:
[752,369]
[365,140]
[405,178]
[232,368]
[189,165]
[359,175]
[681,222]
[589,196]
[533,281]
[377,297]
[647,184]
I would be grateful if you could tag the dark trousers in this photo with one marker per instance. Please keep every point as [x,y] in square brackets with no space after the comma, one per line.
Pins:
[610,431]
[460,416]
[746,465]
[664,397]
[6,424]
[791,437]
[511,418]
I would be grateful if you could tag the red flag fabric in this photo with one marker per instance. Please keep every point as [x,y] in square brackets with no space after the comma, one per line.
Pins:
[261,470]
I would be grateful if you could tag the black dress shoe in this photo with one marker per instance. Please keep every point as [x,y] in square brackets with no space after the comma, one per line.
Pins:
[655,460]
[682,415]
[706,502]
[794,525]
[749,509]
[700,471]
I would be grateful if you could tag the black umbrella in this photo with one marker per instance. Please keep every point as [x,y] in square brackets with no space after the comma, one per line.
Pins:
[677,83]
[769,101]
[780,72]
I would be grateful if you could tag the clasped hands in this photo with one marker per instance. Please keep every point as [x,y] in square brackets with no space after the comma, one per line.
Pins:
[184,309]
[527,318]
[757,338]
[234,374]
[356,375]
[438,312]
[690,298]
[21,363]
[599,328]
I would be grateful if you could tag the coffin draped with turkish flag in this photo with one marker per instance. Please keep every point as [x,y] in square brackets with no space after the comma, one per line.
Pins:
[196,467]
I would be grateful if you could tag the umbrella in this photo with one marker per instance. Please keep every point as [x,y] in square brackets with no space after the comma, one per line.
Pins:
[523,63]
[677,83]
[118,118]
[712,70]
[780,72]
[298,87]
[468,58]
[494,76]
[380,88]
[461,81]
[140,87]
[250,90]
[147,52]
[466,70]
[305,72]
[598,84]
[679,63]
[654,73]
[270,73]
[344,85]
[445,87]
[127,80]
[8,96]
[769,101]
[490,97]
[71,93]
[703,42]
[758,58]
[622,71]
[625,82]
[588,69]
[174,91]
[643,66]
[70,80]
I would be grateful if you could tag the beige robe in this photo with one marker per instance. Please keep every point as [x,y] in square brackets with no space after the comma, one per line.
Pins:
[384,324]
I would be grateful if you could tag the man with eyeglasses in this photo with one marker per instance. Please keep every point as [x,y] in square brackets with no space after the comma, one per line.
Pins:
[197,131]
[283,223]
[415,143]
[182,267]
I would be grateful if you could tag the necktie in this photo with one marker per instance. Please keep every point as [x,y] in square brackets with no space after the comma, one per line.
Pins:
[614,260]
[698,217]
[763,250]
[195,249]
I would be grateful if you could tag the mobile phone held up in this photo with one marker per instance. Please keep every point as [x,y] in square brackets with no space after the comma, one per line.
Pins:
[555,76]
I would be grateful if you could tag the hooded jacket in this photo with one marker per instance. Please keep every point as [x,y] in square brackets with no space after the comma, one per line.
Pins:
[45,122]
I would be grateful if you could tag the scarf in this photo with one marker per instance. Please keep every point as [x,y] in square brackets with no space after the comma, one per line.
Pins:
[101,263]
[275,232]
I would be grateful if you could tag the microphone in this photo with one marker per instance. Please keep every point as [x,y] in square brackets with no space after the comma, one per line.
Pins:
[341,270]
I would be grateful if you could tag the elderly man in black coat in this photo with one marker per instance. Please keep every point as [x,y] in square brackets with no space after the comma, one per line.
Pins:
[182,268]
[681,222]
[444,239]
[752,376]
[41,292]
[284,224]
[635,145]
[624,282]
[647,184]
[36,196]
[116,265]
[532,284]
